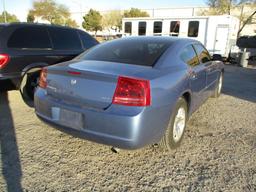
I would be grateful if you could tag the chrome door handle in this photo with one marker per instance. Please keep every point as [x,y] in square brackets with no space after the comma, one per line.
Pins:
[193,75]
[209,69]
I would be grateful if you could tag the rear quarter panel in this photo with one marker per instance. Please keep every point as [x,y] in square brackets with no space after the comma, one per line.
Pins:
[165,91]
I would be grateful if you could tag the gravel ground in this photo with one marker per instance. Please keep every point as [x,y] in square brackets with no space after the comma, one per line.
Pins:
[218,152]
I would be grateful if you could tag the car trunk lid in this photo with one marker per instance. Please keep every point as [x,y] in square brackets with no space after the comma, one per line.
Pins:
[89,83]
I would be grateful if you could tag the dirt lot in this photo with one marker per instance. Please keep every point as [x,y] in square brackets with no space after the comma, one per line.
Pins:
[218,152]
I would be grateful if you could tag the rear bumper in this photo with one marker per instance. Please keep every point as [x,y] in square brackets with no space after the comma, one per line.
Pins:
[118,126]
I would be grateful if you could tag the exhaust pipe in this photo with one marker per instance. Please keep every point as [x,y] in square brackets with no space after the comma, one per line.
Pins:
[115,150]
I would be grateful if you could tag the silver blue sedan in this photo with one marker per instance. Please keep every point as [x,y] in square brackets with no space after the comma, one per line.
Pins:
[130,92]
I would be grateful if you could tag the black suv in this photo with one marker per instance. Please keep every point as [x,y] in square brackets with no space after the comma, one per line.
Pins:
[26,48]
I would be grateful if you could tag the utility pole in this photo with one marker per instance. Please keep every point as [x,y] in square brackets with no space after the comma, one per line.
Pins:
[229,6]
[80,4]
[5,19]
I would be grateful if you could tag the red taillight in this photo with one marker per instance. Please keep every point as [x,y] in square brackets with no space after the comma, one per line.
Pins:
[4,59]
[74,72]
[42,80]
[132,92]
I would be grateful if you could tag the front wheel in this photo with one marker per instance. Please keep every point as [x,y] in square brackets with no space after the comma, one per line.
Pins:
[176,127]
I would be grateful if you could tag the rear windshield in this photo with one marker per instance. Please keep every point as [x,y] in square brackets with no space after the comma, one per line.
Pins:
[130,51]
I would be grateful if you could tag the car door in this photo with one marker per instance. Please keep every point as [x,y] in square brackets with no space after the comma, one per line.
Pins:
[210,66]
[197,75]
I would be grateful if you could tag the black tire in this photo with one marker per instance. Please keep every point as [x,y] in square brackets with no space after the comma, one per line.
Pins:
[218,89]
[168,142]
[29,85]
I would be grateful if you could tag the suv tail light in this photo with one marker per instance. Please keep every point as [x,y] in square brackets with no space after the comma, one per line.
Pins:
[4,59]
[132,92]
[42,80]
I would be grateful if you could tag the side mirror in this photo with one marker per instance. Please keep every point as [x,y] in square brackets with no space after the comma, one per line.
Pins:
[217,57]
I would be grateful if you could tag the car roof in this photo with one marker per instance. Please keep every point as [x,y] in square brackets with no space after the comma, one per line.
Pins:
[16,24]
[160,39]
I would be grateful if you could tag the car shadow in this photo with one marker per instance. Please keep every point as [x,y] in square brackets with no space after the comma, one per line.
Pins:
[11,167]
[240,82]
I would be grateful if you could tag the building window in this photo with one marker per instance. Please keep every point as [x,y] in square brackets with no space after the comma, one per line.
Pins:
[158,27]
[142,28]
[193,28]
[174,28]
[128,27]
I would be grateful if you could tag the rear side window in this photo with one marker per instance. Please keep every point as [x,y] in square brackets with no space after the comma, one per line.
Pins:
[128,27]
[30,38]
[142,28]
[193,27]
[174,28]
[65,39]
[202,53]
[188,55]
[87,40]
[128,51]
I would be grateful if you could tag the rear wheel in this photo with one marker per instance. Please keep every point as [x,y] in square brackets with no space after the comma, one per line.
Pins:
[29,84]
[176,127]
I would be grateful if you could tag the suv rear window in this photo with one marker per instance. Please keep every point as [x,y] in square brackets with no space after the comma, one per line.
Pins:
[30,37]
[65,39]
[130,51]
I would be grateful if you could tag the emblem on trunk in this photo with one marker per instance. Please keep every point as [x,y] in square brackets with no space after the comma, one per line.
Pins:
[73,81]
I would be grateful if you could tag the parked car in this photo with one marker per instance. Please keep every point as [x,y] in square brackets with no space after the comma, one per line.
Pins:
[26,48]
[130,92]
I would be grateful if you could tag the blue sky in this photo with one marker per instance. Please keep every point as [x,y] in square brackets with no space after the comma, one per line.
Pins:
[21,7]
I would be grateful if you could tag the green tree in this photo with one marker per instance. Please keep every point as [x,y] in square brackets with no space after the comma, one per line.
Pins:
[134,12]
[245,22]
[112,20]
[220,7]
[9,17]
[30,17]
[71,23]
[92,21]
[54,13]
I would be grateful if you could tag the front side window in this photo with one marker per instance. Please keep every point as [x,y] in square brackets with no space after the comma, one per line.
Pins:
[193,28]
[142,28]
[188,55]
[128,27]
[202,53]
[30,37]
[158,27]
[87,40]
[174,28]
[65,39]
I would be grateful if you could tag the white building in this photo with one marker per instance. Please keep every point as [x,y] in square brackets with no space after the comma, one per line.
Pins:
[217,33]
[239,11]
